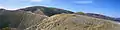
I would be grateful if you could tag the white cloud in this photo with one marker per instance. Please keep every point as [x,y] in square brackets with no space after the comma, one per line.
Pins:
[1,6]
[83,2]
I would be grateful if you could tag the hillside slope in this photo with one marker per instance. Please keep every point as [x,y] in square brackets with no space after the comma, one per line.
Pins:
[74,22]
[30,19]
[14,18]
[49,11]
[48,18]
[99,16]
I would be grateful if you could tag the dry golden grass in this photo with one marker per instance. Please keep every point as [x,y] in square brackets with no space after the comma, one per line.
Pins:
[77,22]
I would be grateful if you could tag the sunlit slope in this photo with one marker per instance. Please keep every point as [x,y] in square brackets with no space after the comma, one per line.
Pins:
[76,22]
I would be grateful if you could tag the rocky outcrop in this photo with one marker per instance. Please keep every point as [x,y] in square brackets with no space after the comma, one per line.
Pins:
[74,22]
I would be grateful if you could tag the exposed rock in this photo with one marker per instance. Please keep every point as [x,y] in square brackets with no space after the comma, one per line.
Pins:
[76,22]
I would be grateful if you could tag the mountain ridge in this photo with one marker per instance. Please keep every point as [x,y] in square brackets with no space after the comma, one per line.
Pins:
[37,18]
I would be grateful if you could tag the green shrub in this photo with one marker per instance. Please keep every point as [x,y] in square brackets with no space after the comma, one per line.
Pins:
[6,28]
[81,13]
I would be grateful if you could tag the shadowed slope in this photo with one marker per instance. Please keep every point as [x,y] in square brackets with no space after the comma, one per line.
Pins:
[49,11]
[30,19]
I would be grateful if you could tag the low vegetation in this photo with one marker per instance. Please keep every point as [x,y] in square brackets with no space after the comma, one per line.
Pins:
[81,13]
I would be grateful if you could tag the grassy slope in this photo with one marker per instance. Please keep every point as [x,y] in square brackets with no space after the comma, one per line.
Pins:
[77,22]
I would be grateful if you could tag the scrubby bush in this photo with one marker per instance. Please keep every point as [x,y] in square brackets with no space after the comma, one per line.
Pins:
[81,13]
[6,28]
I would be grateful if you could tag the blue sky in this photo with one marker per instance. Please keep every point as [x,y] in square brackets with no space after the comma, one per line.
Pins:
[105,7]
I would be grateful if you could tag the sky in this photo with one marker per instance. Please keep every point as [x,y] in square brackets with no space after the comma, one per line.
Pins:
[105,7]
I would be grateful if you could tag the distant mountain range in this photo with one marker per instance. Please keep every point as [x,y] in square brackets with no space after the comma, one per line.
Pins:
[103,17]
[14,17]
[49,11]
[28,17]
[100,16]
